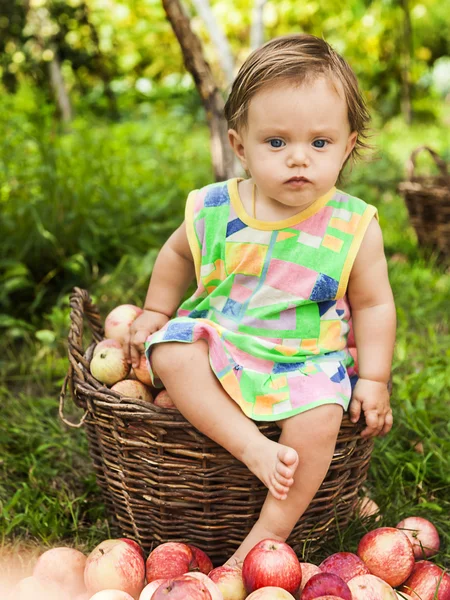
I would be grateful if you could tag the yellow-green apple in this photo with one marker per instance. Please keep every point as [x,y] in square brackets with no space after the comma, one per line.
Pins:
[323,584]
[427,582]
[272,563]
[203,561]
[115,565]
[308,570]
[170,560]
[38,589]
[163,400]
[132,388]
[147,592]
[142,372]
[111,595]
[367,508]
[370,587]
[345,564]
[388,553]
[270,592]
[109,366]
[212,588]
[422,534]
[134,545]
[182,588]
[106,344]
[64,566]
[118,321]
[229,581]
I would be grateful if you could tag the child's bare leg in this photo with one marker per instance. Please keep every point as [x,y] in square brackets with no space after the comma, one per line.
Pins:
[313,435]
[194,389]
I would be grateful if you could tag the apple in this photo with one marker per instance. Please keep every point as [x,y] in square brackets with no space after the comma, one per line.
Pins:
[329,598]
[84,596]
[132,388]
[142,372]
[163,400]
[109,366]
[270,593]
[370,587]
[111,595]
[388,553]
[118,321]
[402,596]
[422,534]
[170,560]
[425,580]
[209,584]
[323,584]
[147,592]
[229,581]
[38,589]
[106,344]
[203,561]
[182,588]
[345,564]
[308,570]
[115,564]
[134,545]
[271,563]
[64,566]
[366,507]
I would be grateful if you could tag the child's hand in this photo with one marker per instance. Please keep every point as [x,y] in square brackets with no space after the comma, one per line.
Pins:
[147,323]
[373,398]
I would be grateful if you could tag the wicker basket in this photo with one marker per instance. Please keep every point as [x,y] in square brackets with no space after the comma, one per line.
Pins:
[428,201]
[162,480]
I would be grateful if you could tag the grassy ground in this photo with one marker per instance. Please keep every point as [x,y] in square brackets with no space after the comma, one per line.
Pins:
[48,493]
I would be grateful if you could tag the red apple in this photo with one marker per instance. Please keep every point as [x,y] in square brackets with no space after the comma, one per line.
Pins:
[345,564]
[111,595]
[182,588]
[134,545]
[147,592]
[115,565]
[64,566]
[229,581]
[142,372]
[106,344]
[271,563]
[370,587]
[308,570]
[324,584]
[425,580]
[118,321]
[209,584]
[170,560]
[422,534]
[133,389]
[109,366]
[203,561]
[163,400]
[270,593]
[329,598]
[388,553]
[37,589]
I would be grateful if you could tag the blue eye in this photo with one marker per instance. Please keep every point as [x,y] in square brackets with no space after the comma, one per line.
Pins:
[276,143]
[320,143]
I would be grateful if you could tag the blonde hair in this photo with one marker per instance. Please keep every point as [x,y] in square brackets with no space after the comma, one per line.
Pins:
[296,58]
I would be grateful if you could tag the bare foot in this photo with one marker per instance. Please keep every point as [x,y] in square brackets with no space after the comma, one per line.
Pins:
[273,463]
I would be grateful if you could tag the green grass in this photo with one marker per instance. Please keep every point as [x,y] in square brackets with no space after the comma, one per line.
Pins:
[130,180]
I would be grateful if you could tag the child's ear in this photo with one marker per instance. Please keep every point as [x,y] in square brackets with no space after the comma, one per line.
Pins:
[350,145]
[237,144]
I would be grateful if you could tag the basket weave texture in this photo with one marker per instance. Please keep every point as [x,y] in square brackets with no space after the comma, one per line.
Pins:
[427,198]
[162,480]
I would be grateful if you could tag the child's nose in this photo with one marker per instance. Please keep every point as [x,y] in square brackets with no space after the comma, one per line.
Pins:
[298,157]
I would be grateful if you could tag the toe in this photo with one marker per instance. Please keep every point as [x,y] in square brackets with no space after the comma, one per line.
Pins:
[287,482]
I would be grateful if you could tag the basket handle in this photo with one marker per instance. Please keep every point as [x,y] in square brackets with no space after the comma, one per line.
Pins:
[411,164]
[82,306]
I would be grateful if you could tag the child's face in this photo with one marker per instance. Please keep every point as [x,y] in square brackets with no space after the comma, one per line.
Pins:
[296,141]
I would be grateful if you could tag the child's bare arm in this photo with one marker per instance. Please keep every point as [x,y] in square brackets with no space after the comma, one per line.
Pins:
[171,277]
[374,322]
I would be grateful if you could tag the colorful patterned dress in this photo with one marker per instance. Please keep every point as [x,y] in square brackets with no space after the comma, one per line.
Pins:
[271,300]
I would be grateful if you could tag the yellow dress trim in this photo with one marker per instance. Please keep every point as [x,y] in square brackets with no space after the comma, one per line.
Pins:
[272,225]
[370,213]
[191,235]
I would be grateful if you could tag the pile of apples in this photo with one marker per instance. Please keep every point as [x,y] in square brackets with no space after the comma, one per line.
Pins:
[110,367]
[385,567]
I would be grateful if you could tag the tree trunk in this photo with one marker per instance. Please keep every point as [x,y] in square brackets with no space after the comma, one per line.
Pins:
[407,51]
[59,89]
[257,30]
[194,60]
